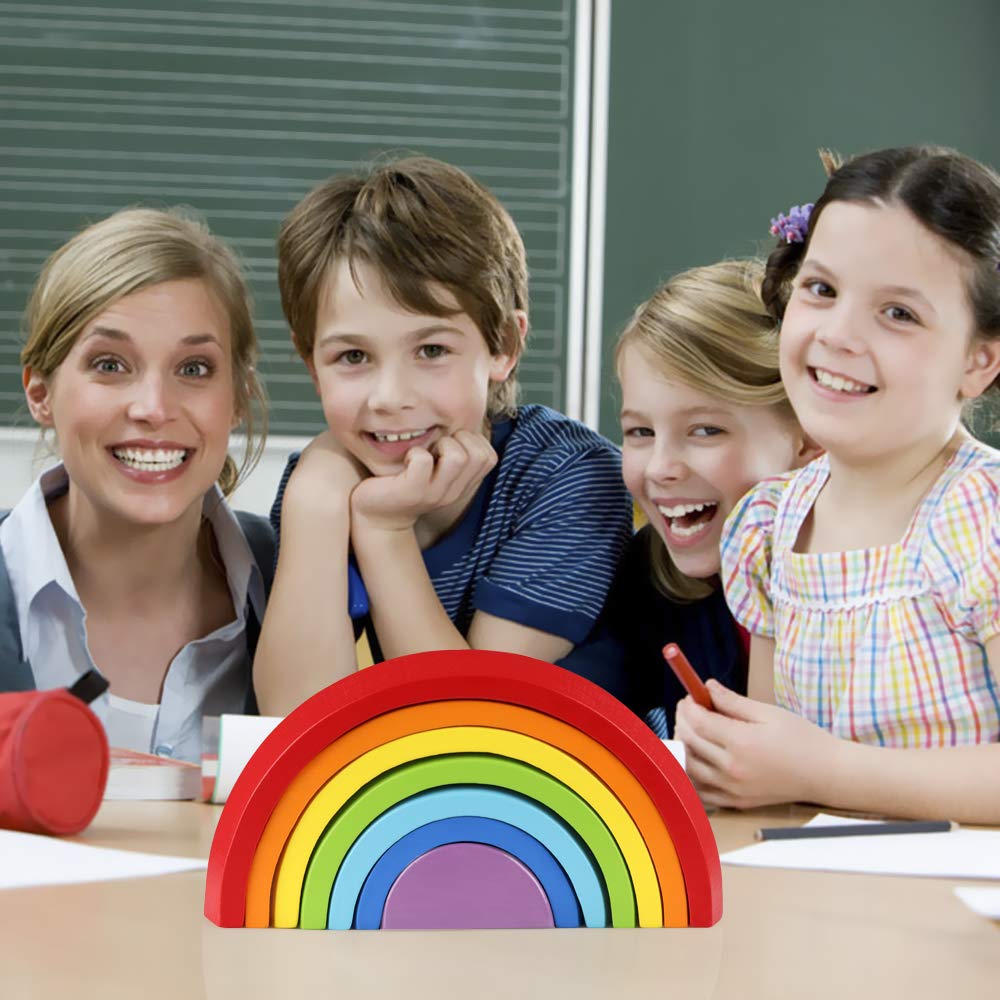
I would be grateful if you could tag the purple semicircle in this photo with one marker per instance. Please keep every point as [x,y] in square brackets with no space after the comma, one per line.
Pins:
[466,886]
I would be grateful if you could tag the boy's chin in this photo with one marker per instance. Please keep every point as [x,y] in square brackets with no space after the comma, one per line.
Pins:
[378,466]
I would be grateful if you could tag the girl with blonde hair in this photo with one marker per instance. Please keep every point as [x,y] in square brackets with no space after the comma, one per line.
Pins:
[704,417]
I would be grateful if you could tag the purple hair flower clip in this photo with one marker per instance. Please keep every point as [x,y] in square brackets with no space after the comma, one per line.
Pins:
[792,228]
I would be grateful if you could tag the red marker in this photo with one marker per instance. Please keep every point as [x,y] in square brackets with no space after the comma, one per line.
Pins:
[686,674]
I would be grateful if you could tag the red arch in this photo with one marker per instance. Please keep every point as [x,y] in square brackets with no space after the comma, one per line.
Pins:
[454,674]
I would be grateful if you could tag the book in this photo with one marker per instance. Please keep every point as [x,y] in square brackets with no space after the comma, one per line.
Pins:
[135,775]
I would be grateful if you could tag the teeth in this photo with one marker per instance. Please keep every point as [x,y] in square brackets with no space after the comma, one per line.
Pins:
[405,436]
[682,532]
[150,459]
[685,508]
[838,383]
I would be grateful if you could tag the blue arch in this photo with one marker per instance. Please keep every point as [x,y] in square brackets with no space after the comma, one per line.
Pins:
[466,830]
[464,801]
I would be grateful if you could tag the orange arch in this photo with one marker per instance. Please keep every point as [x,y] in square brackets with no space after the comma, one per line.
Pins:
[435,715]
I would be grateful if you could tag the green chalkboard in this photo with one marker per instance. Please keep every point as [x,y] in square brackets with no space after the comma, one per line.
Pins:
[717,109]
[236,108]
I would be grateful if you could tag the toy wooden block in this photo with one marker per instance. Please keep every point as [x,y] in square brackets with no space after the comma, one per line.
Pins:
[466,885]
[463,736]
[385,868]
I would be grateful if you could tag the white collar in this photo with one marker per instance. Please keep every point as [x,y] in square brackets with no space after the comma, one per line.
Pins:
[31,547]
[35,559]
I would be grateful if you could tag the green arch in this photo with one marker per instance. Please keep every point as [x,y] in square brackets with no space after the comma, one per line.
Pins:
[464,769]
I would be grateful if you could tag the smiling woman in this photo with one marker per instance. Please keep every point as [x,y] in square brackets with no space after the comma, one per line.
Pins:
[144,398]
[125,557]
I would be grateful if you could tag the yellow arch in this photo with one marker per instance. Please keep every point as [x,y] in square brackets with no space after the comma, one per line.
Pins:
[463,739]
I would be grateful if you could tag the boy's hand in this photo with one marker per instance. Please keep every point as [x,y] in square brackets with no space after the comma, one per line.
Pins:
[324,477]
[748,754]
[428,482]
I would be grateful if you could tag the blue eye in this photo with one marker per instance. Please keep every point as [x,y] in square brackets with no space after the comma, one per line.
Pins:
[196,368]
[107,365]
[706,430]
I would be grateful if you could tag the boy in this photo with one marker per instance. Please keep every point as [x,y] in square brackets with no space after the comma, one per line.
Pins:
[473,523]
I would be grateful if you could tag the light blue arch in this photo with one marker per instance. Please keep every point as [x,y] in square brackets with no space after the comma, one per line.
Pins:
[468,800]
[535,856]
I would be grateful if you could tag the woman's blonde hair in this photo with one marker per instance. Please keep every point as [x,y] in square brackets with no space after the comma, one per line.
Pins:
[708,328]
[134,249]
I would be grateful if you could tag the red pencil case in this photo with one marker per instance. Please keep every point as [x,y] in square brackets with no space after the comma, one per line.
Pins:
[53,761]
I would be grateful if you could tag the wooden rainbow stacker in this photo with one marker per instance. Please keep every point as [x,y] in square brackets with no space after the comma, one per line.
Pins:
[463,789]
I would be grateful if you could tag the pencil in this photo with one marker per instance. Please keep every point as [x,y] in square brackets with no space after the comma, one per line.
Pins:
[854,830]
[687,675]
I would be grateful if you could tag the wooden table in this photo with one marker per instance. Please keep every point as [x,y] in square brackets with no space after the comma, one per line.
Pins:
[784,934]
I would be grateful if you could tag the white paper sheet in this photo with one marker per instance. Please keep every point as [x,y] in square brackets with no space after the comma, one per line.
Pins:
[958,854]
[985,902]
[28,859]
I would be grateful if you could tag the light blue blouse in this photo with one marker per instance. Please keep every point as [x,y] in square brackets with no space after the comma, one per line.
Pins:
[208,676]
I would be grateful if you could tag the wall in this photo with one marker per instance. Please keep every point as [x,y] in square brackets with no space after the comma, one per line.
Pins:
[717,108]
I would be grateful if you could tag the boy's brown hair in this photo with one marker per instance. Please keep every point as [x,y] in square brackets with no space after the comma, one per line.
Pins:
[417,222]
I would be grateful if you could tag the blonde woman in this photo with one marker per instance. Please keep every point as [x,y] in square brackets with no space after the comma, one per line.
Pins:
[125,557]
[704,417]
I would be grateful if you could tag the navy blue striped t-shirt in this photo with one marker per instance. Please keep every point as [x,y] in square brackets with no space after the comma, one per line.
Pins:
[540,542]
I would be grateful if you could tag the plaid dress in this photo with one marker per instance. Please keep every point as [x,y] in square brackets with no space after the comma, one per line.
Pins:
[884,645]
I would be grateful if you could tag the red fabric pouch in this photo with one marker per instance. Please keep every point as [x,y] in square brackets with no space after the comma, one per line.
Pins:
[53,761]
